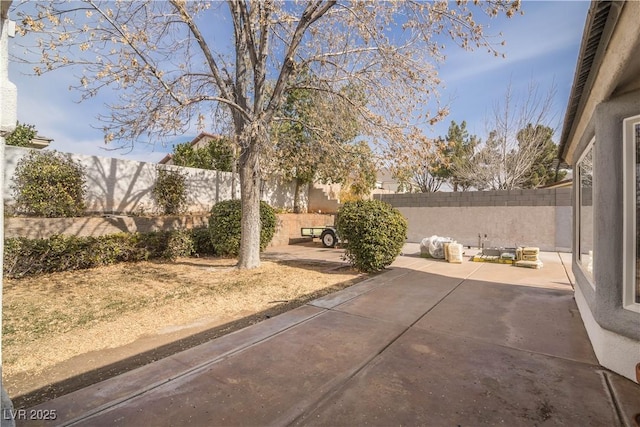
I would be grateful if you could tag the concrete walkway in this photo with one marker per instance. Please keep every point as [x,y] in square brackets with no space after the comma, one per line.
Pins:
[425,343]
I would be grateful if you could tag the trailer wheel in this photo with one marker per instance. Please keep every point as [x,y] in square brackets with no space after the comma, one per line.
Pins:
[328,238]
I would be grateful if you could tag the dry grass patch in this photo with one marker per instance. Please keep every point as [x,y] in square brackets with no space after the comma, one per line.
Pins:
[51,318]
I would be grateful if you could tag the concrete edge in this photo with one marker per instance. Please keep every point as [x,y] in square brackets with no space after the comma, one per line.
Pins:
[75,407]
[626,398]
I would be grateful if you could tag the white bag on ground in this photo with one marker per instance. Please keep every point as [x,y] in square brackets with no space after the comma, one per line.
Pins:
[436,246]
[424,247]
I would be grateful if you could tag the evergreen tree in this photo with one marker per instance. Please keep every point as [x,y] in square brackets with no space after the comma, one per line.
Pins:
[460,149]
[542,171]
[216,155]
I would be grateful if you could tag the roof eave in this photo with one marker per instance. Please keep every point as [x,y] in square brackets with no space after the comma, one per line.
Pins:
[599,26]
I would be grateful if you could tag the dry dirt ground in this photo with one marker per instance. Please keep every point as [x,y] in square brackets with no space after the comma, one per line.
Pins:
[63,331]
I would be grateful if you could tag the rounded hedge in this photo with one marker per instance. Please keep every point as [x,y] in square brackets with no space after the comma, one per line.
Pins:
[375,233]
[224,226]
[170,191]
[49,184]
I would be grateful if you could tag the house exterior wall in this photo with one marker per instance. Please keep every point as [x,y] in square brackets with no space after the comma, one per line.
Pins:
[606,91]
[614,331]
[8,116]
[539,218]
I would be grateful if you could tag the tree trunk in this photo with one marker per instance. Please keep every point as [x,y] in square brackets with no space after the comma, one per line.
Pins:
[296,197]
[249,256]
[234,170]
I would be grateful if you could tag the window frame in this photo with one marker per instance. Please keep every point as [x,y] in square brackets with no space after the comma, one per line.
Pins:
[629,231]
[578,218]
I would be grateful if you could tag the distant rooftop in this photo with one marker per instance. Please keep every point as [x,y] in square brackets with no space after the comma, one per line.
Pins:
[39,142]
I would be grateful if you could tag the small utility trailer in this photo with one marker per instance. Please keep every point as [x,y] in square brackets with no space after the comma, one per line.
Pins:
[328,235]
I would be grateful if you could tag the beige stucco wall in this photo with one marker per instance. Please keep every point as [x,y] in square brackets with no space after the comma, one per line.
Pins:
[324,198]
[539,218]
[287,228]
[39,228]
[505,226]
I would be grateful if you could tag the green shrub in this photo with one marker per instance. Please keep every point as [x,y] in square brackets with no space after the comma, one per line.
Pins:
[179,244]
[22,135]
[375,233]
[170,191]
[224,226]
[202,244]
[49,184]
[217,154]
[153,243]
[28,257]
[114,248]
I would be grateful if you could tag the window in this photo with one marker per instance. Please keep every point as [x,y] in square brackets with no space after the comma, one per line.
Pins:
[585,211]
[631,221]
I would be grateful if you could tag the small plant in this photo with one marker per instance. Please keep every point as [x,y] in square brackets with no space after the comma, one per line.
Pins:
[224,226]
[375,233]
[49,184]
[170,191]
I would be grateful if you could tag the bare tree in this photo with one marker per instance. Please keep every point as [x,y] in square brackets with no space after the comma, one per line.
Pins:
[428,164]
[169,68]
[422,164]
[519,132]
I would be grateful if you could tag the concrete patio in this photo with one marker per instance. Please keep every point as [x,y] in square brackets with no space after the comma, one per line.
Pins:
[425,343]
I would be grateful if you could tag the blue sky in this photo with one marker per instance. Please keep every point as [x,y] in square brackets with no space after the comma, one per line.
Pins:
[541,46]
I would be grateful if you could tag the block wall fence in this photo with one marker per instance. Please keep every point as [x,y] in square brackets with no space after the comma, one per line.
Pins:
[540,217]
[117,186]
[287,226]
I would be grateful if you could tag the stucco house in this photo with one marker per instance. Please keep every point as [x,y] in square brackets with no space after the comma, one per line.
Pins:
[601,140]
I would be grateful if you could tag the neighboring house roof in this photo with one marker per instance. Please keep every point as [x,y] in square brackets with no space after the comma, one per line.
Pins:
[387,181]
[166,159]
[203,135]
[607,55]
[39,142]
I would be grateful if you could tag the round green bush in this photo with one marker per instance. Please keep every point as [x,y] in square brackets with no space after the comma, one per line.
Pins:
[49,184]
[202,244]
[375,233]
[170,191]
[224,226]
